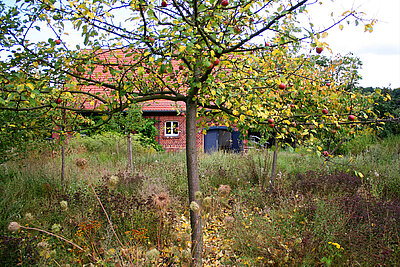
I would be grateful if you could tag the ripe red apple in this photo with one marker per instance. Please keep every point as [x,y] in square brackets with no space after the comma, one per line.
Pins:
[224,3]
[325,111]
[58,42]
[164,4]
[328,84]
[325,153]
[181,67]
[58,101]
[120,67]
[270,120]
[216,61]
[351,117]
[209,65]
[282,86]
[271,125]
[294,124]
[333,131]
[319,50]
[292,106]
[267,44]
[152,40]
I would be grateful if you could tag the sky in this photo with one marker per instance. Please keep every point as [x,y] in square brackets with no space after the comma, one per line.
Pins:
[379,51]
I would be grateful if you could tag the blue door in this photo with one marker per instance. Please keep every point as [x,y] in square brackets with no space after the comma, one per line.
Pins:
[211,141]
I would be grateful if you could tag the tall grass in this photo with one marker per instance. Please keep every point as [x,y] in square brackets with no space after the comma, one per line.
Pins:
[314,216]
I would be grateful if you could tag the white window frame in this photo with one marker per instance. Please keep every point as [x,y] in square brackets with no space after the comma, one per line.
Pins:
[175,131]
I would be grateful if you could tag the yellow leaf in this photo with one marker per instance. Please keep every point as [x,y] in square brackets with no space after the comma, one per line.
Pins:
[30,86]
[341,27]
[319,148]
[242,117]
[104,117]
[324,35]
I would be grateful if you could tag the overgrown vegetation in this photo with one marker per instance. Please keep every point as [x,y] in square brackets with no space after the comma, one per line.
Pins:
[318,214]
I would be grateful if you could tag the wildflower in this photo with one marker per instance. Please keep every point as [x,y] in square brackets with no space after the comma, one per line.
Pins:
[81,163]
[152,255]
[161,201]
[224,190]
[336,245]
[194,206]
[13,226]
[64,205]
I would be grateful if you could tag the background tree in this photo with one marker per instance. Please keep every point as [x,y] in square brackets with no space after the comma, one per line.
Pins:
[232,56]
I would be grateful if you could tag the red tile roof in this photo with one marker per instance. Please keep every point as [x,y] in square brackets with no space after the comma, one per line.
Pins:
[164,105]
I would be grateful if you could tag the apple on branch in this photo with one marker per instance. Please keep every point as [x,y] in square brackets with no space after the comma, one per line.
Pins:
[224,3]
[325,111]
[209,65]
[351,117]
[282,86]
[164,4]
[319,49]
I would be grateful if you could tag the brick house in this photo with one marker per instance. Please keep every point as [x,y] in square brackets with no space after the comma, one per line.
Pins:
[169,120]
[169,116]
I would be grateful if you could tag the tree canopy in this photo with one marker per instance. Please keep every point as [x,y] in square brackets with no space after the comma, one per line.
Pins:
[243,62]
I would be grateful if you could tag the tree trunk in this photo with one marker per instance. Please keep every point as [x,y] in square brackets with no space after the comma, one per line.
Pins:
[274,166]
[63,163]
[193,181]
[130,151]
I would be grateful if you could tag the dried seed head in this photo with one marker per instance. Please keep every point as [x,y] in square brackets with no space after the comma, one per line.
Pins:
[228,221]
[207,201]
[113,180]
[56,227]
[42,245]
[64,205]
[81,163]
[161,201]
[152,255]
[13,226]
[194,206]
[28,216]
[198,194]
[224,190]
[186,254]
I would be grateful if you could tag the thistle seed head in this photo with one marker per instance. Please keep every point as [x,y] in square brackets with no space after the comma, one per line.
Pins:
[13,226]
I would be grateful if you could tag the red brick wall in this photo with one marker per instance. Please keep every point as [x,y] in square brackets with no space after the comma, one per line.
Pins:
[174,143]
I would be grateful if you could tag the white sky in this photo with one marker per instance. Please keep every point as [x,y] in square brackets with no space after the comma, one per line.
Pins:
[379,51]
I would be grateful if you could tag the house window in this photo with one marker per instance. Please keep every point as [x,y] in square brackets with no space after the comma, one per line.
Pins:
[171,128]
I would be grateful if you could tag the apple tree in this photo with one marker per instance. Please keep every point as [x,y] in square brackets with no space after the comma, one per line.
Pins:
[241,61]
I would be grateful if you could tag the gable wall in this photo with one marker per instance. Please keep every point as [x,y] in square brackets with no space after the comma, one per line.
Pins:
[174,143]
